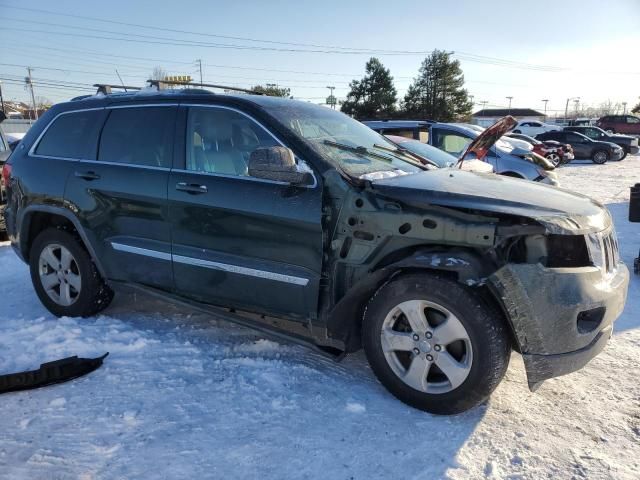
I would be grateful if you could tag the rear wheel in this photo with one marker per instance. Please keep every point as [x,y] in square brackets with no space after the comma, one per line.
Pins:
[600,157]
[433,344]
[65,278]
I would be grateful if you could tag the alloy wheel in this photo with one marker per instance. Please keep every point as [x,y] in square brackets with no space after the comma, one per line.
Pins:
[59,274]
[554,158]
[426,346]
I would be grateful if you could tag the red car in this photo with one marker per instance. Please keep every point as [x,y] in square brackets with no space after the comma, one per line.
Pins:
[620,124]
[553,151]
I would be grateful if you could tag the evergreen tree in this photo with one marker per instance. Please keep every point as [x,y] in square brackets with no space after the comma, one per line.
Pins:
[636,109]
[374,96]
[272,89]
[438,92]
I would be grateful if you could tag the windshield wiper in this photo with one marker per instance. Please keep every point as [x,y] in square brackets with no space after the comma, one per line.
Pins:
[359,149]
[407,153]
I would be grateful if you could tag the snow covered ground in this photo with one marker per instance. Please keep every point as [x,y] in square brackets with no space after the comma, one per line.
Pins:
[185,396]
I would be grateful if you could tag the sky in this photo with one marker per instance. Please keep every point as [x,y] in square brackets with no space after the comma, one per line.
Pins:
[530,51]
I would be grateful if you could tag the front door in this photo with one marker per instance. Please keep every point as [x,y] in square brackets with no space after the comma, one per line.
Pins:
[239,241]
[121,195]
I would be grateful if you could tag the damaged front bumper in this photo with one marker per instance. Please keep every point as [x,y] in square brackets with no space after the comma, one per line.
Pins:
[561,317]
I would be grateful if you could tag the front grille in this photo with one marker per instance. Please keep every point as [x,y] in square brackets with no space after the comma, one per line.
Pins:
[610,252]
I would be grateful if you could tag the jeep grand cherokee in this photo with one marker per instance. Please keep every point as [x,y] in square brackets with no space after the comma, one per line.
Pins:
[292,217]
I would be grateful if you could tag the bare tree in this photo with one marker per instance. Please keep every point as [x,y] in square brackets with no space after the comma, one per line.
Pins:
[43,103]
[158,73]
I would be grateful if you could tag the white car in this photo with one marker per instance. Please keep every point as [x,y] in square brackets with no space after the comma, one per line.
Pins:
[533,128]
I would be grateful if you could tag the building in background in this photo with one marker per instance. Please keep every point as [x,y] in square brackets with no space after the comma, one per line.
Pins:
[488,116]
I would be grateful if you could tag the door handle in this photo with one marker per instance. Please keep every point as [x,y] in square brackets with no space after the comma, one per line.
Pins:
[87,175]
[192,188]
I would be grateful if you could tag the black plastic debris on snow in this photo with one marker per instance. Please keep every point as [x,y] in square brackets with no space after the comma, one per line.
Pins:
[50,373]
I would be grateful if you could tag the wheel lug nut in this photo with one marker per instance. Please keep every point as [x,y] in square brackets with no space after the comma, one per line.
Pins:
[416,337]
[430,358]
[437,348]
[416,351]
[429,335]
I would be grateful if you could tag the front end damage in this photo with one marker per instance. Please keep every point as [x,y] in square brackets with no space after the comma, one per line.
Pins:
[547,257]
[563,298]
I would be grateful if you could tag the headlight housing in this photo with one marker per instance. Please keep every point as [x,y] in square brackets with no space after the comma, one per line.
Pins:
[603,249]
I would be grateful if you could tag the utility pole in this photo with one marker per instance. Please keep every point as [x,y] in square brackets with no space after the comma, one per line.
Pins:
[575,103]
[200,68]
[1,97]
[545,100]
[566,107]
[331,100]
[29,82]
[510,98]
[624,106]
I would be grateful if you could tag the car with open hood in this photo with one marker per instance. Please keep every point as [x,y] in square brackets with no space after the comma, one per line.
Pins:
[298,221]
[503,157]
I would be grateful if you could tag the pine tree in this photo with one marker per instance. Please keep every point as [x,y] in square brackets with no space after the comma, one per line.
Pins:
[438,92]
[374,96]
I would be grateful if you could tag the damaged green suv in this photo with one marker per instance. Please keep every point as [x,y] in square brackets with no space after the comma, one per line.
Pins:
[295,219]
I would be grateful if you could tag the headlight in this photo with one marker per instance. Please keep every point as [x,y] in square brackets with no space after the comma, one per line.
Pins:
[603,250]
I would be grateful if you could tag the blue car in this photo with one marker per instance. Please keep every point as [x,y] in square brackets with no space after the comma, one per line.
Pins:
[454,139]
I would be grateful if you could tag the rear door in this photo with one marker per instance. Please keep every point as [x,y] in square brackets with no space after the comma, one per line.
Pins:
[120,194]
[239,241]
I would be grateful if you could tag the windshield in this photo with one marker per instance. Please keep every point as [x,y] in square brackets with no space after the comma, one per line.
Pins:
[439,157]
[337,137]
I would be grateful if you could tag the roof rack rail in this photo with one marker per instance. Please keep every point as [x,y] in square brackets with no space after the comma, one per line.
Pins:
[106,88]
[162,84]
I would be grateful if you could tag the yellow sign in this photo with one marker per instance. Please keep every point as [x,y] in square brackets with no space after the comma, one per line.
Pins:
[178,78]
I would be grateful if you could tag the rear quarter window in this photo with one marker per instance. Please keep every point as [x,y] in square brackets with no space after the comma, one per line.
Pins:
[72,135]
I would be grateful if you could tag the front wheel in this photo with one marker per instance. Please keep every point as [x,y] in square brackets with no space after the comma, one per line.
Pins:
[433,344]
[64,276]
[624,155]
[554,158]
[600,157]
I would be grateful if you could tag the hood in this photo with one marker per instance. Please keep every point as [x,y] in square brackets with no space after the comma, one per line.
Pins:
[560,211]
[483,142]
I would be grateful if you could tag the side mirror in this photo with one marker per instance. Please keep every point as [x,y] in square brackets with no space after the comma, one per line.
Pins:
[278,164]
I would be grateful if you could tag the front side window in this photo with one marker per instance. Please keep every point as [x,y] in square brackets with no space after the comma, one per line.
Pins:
[575,138]
[593,133]
[341,140]
[633,120]
[138,136]
[221,141]
[451,142]
[72,135]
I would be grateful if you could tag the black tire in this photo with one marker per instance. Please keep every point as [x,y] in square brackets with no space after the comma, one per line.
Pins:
[600,157]
[624,155]
[486,330]
[94,295]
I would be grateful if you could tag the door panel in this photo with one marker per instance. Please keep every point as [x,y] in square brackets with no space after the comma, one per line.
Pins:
[121,198]
[238,241]
[247,244]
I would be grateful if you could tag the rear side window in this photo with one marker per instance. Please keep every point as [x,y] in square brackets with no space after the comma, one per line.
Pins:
[138,136]
[72,135]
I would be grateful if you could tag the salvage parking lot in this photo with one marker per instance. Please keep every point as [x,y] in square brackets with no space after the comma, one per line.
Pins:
[185,395]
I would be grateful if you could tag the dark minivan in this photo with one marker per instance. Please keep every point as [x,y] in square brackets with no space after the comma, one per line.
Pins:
[295,219]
